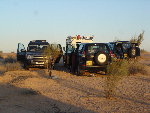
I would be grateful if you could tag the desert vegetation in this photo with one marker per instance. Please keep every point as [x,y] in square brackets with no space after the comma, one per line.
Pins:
[52,52]
[118,70]
[138,39]
[9,63]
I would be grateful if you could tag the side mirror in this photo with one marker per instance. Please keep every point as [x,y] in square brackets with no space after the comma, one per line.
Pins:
[23,50]
[64,49]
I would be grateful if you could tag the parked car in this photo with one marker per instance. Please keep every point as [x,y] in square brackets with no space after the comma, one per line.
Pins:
[124,49]
[34,56]
[90,57]
[71,45]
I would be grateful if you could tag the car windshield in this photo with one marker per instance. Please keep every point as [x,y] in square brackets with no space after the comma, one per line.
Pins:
[97,48]
[37,47]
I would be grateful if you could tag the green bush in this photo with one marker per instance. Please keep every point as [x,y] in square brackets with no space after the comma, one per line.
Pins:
[115,72]
[118,70]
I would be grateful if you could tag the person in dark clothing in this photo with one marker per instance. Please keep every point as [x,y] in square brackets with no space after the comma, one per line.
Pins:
[119,52]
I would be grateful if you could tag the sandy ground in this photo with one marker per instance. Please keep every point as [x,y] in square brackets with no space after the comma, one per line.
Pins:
[35,92]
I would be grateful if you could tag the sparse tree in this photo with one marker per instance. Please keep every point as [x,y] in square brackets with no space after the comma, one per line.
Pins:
[138,39]
[51,52]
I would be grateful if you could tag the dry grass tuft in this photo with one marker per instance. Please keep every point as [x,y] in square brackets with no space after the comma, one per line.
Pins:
[2,69]
[10,59]
[9,64]
[13,66]
[136,67]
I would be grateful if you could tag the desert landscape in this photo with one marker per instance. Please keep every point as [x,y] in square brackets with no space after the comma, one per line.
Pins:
[34,91]
[74,56]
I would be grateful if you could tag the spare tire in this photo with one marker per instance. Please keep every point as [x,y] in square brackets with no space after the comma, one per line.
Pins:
[132,52]
[101,58]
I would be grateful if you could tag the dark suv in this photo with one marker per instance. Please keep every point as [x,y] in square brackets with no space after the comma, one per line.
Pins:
[124,49]
[90,57]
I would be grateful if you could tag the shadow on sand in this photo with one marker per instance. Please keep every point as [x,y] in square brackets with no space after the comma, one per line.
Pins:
[22,100]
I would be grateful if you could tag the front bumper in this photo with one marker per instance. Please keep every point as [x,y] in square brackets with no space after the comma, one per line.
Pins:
[37,63]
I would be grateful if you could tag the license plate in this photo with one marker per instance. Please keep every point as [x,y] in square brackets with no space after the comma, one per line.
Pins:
[89,63]
[39,62]
[125,55]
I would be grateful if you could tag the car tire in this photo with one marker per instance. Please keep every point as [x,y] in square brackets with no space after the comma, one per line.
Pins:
[26,66]
[101,58]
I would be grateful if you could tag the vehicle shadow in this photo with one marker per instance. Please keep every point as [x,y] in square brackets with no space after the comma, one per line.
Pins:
[23,100]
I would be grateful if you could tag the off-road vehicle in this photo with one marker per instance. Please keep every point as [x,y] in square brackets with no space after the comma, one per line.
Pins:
[71,45]
[34,56]
[92,57]
[124,49]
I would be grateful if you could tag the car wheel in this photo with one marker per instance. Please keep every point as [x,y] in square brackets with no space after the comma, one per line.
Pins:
[26,66]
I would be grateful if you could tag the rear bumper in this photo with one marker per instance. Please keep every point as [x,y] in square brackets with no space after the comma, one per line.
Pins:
[93,68]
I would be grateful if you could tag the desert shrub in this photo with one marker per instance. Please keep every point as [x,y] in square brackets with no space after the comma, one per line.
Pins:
[1,56]
[136,67]
[13,66]
[52,52]
[9,67]
[10,59]
[118,70]
[138,39]
[115,72]
[2,69]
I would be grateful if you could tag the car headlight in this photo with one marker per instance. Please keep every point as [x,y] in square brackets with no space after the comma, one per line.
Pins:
[29,57]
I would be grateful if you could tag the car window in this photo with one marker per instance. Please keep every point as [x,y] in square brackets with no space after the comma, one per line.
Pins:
[37,47]
[20,47]
[80,48]
[126,46]
[111,46]
[69,48]
[97,48]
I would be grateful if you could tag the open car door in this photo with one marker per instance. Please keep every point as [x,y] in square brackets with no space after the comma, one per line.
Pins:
[21,52]
[60,53]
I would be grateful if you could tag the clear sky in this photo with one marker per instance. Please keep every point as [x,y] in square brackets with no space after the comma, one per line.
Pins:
[54,20]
